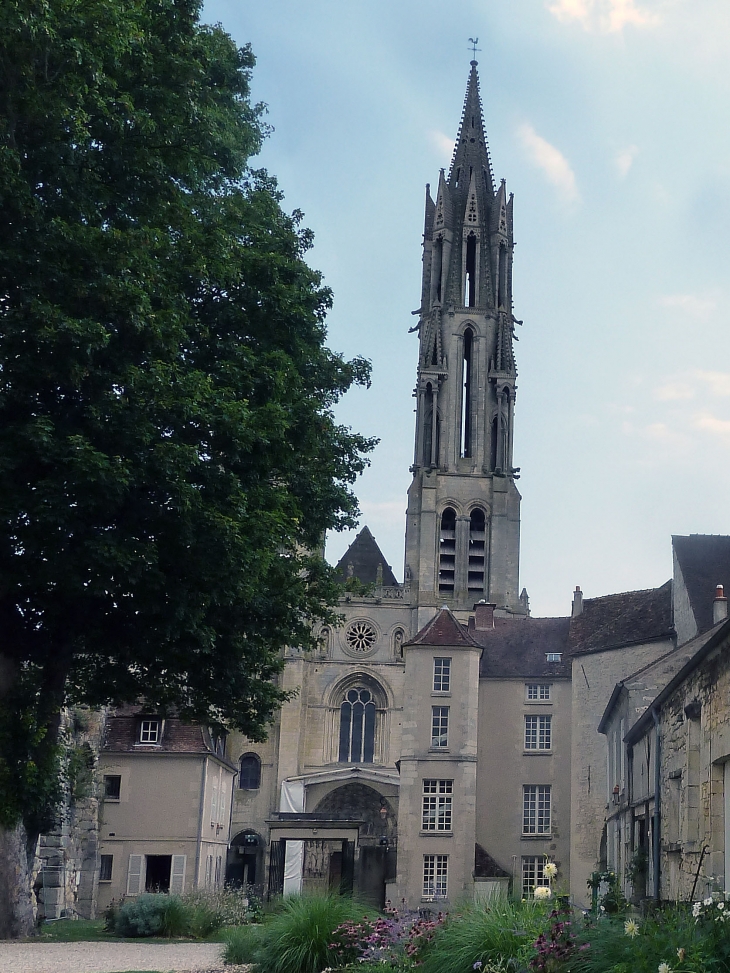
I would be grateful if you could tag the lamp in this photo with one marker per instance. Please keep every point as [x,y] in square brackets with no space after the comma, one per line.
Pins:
[616,793]
[383,809]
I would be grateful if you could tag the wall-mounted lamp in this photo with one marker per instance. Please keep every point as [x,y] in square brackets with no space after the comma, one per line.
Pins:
[383,809]
[616,794]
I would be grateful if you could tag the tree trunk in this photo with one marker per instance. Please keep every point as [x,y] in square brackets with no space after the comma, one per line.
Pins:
[17,901]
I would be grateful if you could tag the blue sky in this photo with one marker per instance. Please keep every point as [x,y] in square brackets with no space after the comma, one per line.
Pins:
[609,121]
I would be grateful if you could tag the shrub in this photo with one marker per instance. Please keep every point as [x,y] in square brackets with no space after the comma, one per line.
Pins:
[141,916]
[485,937]
[297,937]
[226,906]
[241,944]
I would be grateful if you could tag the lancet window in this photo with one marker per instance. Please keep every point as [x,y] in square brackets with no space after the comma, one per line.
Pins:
[466,393]
[447,551]
[477,550]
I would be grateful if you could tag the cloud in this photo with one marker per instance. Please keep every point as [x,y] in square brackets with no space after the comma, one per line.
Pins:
[607,16]
[673,392]
[693,304]
[442,143]
[551,160]
[719,382]
[625,159]
[711,424]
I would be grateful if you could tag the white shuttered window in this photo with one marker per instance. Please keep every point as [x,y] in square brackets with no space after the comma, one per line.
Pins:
[135,874]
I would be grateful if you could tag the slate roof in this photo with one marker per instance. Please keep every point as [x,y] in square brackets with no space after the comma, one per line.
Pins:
[704,560]
[122,735]
[518,647]
[444,629]
[364,555]
[628,618]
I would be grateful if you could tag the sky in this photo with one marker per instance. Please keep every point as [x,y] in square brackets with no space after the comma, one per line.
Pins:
[609,120]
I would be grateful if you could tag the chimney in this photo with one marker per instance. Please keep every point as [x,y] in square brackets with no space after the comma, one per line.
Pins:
[483,616]
[719,605]
[577,602]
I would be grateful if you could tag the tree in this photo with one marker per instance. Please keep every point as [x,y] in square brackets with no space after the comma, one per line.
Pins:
[169,459]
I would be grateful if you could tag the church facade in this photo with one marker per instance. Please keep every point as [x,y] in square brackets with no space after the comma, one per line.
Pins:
[403,766]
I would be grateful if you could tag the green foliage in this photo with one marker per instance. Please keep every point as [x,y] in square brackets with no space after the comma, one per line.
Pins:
[80,765]
[221,907]
[168,452]
[76,930]
[489,935]
[670,937]
[143,915]
[296,937]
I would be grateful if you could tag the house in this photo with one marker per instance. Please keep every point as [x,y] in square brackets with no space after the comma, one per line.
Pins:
[164,822]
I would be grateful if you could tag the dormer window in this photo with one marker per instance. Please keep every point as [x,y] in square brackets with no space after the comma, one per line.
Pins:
[554,656]
[149,731]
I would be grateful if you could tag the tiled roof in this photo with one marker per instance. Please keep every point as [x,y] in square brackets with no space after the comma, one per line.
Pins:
[518,647]
[627,618]
[122,734]
[443,629]
[364,556]
[704,560]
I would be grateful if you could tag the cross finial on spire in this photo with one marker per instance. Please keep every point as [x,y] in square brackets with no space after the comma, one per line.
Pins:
[474,41]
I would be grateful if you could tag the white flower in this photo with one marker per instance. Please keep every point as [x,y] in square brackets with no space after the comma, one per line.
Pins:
[664,968]
[708,901]
[543,892]
[550,870]
[631,928]
[697,910]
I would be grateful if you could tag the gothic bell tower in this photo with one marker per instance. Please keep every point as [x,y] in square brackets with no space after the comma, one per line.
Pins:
[463,521]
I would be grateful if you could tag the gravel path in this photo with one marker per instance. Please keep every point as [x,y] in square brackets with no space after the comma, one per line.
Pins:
[112,957]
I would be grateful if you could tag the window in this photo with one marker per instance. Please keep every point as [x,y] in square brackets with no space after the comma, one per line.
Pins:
[466,393]
[441,675]
[357,726]
[553,656]
[249,775]
[361,636]
[435,876]
[538,732]
[439,726]
[477,550]
[437,797]
[536,809]
[105,868]
[112,787]
[537,691]
[447,551]
[149,731]
[533,874]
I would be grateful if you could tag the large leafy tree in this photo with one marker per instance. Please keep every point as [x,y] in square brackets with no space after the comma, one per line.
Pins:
[169,459]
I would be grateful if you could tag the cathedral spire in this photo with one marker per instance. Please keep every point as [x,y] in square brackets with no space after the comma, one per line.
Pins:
[471,152]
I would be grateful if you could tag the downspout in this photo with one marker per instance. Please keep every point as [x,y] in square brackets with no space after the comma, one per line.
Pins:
[199,845]
[657,804]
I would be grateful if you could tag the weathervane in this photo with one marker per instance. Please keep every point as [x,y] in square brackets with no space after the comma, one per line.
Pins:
[474,41]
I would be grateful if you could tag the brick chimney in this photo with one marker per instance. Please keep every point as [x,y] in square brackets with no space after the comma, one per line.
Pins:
[577,602]
[719,605]
[483,616]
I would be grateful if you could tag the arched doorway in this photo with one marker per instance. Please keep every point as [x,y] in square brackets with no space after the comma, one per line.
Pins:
[245,864]
[377,838]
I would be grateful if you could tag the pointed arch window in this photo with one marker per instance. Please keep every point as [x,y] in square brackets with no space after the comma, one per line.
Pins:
[470,278]
[502,277]
[477,550]
[436,269]
[466,393]
[447,551]
[357,726]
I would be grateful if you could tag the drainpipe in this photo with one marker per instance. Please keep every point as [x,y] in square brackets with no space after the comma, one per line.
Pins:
[201,817]
[657,804]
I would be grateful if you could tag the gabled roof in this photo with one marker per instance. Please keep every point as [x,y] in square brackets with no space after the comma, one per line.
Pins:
[628,618]
[518,647]
[444,629]
[704,560]
[121,735]
[364,556]
[699,647]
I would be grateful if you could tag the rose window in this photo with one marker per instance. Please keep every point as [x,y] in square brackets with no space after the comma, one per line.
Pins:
[361,636]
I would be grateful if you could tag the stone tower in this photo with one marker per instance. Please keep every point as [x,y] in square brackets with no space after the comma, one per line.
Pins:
[463,521]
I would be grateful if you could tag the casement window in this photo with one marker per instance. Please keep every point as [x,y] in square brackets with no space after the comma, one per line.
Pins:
[105,868]
[439,727]
[538,732]
[435,876]
[538,691]
[437,805]
[442,675]
[149,731]
[214,803]
[156,873]
[533,874]
[112,787]
[554,656]
[536,809]
[249,776]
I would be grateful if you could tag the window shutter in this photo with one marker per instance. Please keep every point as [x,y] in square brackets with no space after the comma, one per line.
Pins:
[134,875]
[177,877]
[214,803]
[222,806]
